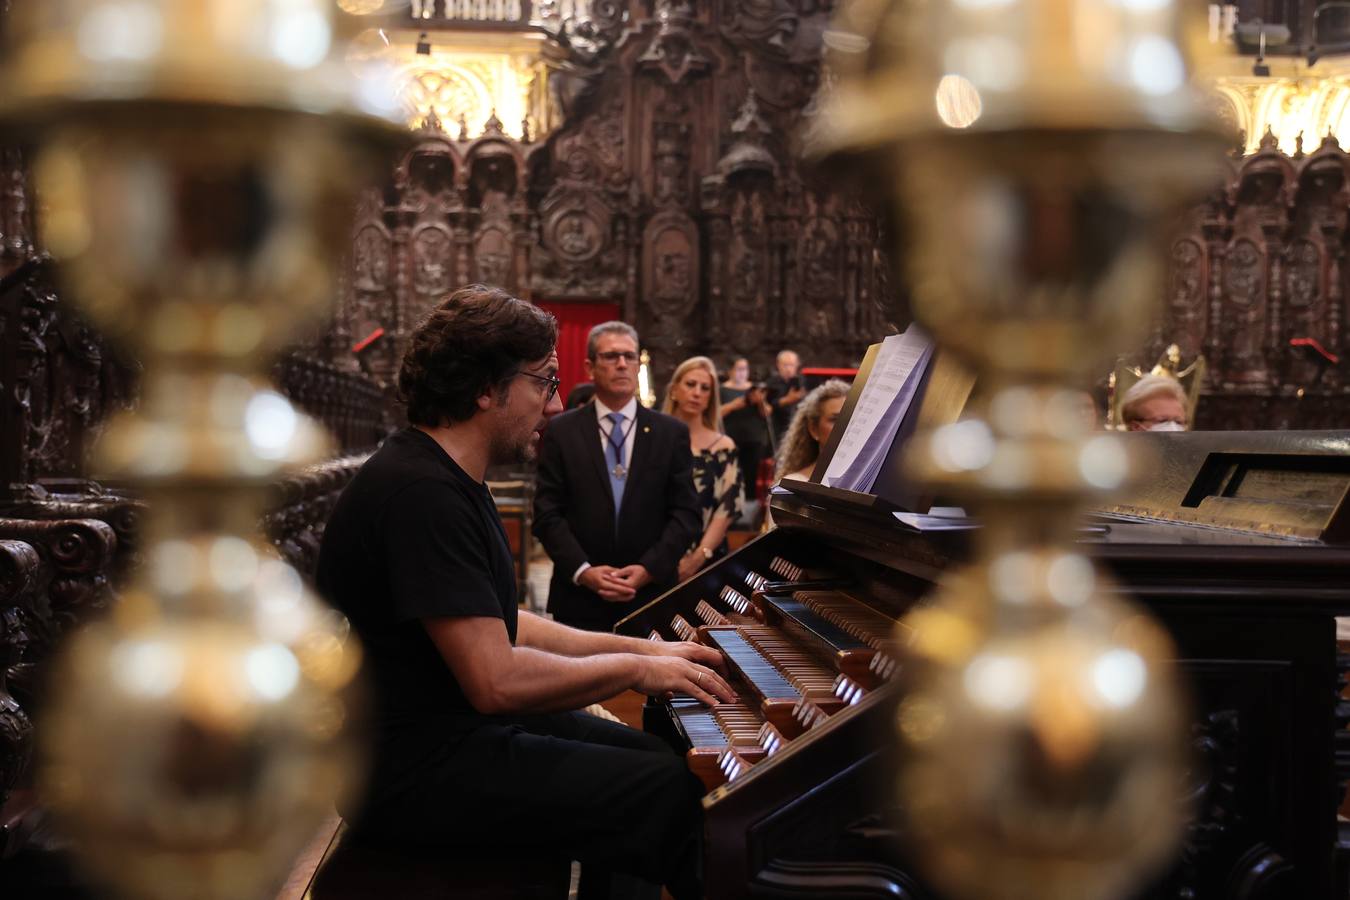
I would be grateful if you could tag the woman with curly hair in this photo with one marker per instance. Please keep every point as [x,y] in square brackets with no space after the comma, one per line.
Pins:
[692,398]
[810,429]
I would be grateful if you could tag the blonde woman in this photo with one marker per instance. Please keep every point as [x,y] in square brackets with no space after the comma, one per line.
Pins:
[692,398]
[810,429]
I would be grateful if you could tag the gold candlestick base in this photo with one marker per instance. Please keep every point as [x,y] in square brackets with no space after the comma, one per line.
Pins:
[198,163]
[1041,729]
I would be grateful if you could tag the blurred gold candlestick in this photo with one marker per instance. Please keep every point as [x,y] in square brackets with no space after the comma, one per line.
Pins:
[1035,149]
[197,162]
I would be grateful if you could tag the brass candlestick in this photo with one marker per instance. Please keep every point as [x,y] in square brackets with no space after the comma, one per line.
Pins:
[1041,729]
[198,162]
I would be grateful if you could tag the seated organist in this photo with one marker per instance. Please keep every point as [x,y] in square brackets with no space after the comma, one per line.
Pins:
[478,748]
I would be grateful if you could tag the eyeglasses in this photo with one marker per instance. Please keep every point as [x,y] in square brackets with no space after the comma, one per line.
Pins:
[551,380]
[612,356]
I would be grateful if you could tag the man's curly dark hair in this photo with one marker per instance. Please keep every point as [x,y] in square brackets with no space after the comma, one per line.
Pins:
[476,340]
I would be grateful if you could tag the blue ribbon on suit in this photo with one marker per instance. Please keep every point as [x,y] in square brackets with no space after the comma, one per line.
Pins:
[614,456]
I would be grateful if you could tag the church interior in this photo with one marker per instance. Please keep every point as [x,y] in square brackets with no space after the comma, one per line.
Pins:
[1014,650]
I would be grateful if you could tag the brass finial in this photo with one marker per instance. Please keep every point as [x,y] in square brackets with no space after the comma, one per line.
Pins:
[195,160]
[1041,731]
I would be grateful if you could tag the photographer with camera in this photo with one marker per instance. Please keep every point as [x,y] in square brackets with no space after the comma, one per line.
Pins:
[784,391]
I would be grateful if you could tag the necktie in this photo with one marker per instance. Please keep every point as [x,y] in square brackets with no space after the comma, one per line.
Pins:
[614,457]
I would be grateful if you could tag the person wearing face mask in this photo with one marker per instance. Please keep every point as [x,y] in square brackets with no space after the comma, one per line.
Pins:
[1154,403]
[745,418]
[692,398]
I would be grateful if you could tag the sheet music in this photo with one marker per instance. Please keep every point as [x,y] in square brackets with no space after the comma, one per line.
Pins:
[880,410]
[939,518]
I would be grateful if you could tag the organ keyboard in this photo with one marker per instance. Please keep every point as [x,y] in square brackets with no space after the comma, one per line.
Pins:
[798,771]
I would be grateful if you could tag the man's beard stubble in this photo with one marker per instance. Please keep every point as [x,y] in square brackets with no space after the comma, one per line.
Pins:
[506,449]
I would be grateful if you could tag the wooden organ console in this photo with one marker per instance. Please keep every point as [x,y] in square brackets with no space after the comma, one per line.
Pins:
[1230,547]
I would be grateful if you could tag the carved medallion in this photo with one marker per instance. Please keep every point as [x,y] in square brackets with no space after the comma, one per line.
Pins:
[577,236]
[576,224]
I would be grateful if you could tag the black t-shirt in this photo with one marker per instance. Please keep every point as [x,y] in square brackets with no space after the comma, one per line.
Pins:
[414,537]
[745,426]
[778,386]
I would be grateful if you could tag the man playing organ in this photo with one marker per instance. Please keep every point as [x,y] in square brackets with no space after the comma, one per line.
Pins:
[478,745]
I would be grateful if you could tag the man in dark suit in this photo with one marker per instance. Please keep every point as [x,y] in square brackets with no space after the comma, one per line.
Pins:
[615,505]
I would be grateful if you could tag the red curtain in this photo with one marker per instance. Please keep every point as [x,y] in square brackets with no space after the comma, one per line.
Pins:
[575,320]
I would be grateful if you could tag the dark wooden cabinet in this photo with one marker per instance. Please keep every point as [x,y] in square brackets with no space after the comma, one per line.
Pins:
[1254,623]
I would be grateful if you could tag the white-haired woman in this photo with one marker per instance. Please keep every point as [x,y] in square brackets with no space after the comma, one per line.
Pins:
[1154,403]
[692,398]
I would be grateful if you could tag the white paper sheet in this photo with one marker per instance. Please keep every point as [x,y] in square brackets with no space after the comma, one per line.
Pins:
[879,412]
[939,518]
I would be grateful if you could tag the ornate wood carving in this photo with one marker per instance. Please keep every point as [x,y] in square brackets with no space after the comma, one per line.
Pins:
[16,223]
[20,584]
[58,380]
[350,404]
[1256,266]
[53,576]
[80,553]
[454,211]
[300,507]
[670,265]
[673,189]
[77,500]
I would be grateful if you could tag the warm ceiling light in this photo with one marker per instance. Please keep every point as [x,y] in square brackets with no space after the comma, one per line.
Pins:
[360,7]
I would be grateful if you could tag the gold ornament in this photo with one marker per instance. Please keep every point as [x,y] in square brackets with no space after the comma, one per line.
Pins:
[1034,150]
[198,162]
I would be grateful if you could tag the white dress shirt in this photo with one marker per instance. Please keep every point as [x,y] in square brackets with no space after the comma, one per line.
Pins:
[602,412]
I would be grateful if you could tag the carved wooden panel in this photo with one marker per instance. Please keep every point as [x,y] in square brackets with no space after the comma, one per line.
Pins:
[354,409]
[58,380]
[21,586]
[301,503]
[672,189]
[1257,266]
